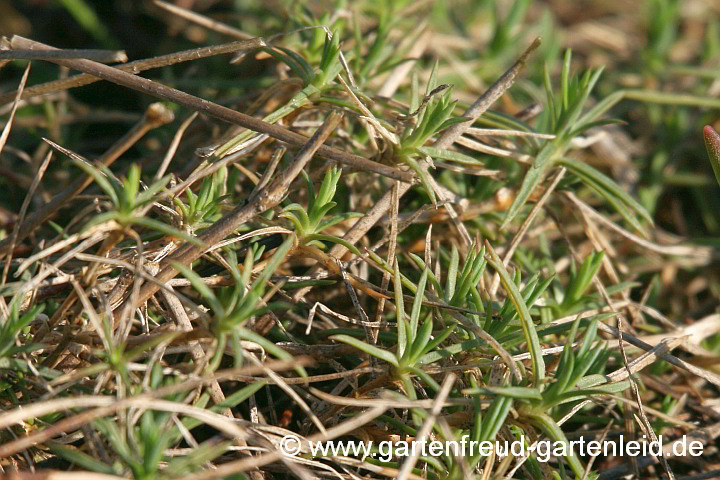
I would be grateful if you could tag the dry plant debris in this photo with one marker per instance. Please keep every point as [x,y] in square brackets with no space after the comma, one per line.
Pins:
[359,221]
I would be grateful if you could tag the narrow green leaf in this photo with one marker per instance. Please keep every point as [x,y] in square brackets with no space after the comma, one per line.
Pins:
[600,108]
[421,341]
[437,340]
[367,348]
[132,184]
[335,219]
[200,455]
[591,381]
[590,174]
[299,212]
[197,282]
[452,274]
[565,88]
[534,177]
[82,459]
[417,304]
[424,179]
[147,195]
[247,334]
[538,364]
[165,229]
[334,239]
[275,261]
[579,394]
[425,377]
[513,392]
[400,312]
[100,179]
[548,425]
[495,418]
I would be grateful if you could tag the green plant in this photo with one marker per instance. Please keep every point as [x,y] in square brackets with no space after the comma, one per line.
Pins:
[233,306]
[414,338]
[201,210]
[316,82]
[426,117]
[311,222]
[575,379]
[579,282]
[139,444]
[128,201]
[566,119]
[160,340]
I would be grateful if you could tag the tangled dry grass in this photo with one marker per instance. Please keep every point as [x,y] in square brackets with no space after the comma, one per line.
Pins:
[380,221]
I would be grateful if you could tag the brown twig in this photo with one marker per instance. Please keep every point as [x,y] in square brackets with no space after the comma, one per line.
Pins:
[214,110]
[103,56]
[381,207]
[265,199]
[202,20]
[137,67]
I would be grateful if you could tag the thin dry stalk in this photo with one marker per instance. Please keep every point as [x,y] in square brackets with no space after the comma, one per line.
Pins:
[427,425]
[136,67]
[266,198]
[21,215]
[102,56]
[524,228]
[216,111]
[156,115]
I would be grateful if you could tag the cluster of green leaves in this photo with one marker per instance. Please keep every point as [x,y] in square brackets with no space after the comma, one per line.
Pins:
[506,319]
[317,80]
[577,377]
[414,337]
[200,210]
[140,442]
[233,306]
[566,118]
[311,222]
[127,200]
[314,78]
[578,283]
[461,291]
[427,117]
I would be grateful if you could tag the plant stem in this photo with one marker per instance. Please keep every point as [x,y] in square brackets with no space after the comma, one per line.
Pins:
[214,110]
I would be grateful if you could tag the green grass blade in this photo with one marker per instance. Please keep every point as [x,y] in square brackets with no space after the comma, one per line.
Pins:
[593,176]
[367,348]
[523,393]
[538,364]
[417,305]
[533,178]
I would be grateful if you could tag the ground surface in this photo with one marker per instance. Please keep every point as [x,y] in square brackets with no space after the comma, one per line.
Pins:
[430,220]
